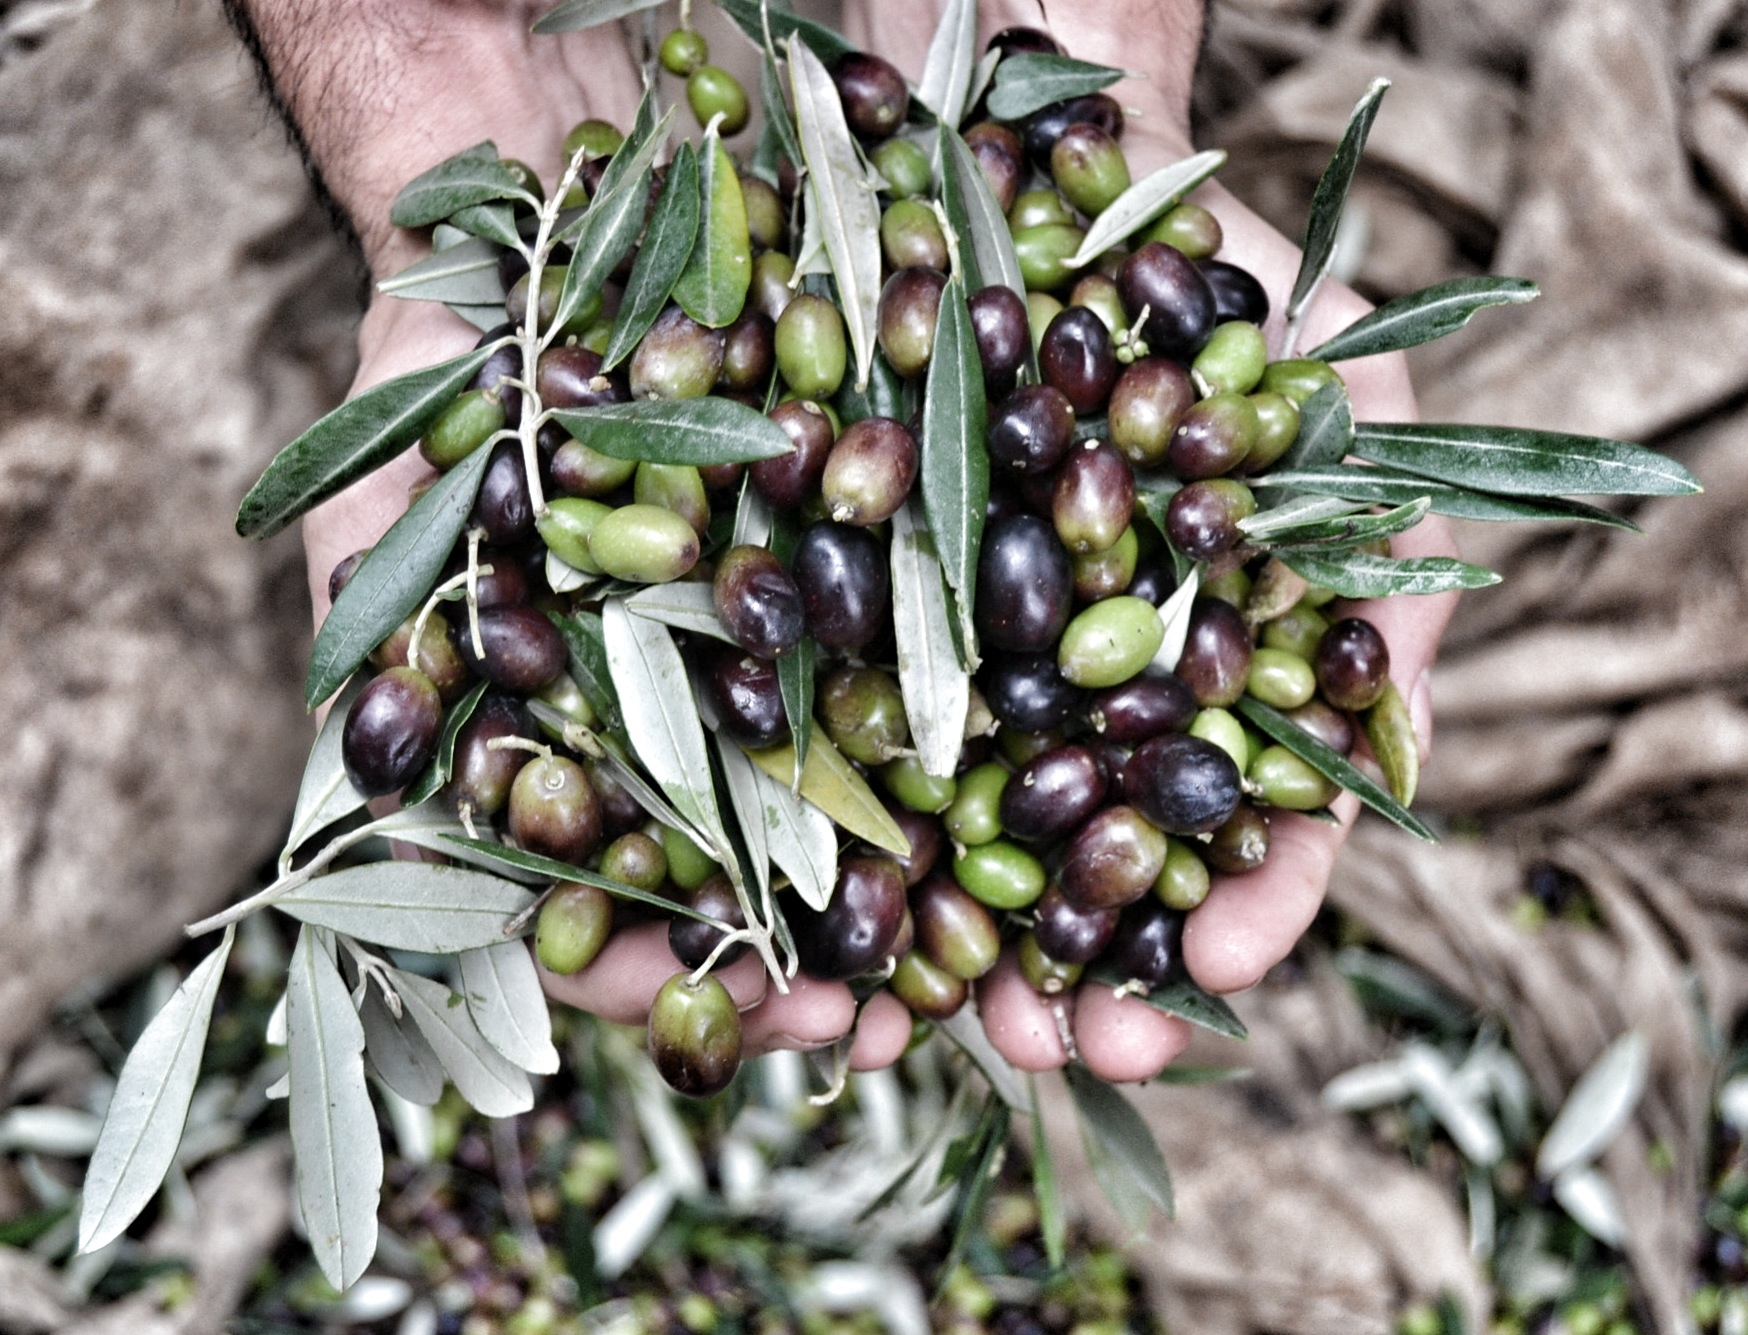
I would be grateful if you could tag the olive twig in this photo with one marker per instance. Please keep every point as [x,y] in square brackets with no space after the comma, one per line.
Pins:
[474,571]
[514,743]
[370,968]
[516,925]
[740,936]
[444,592]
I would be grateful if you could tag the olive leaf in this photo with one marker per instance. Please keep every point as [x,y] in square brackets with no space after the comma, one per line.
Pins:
[491,222]
[394,578]
[473,176]
[1590,1198]
[972,211]
[504,997]
[798,836]
[575,15]
[398,1052]
[1031,81]
[1144,201]
[1373,484]
[1187,1000]
[955,465]
[466,273]
[1330,198]
[965,1029]
[551,869]
[751,16]
[1339,530]
[753,519]
[740,778]
[410,905]
[795,672]
[1419,317]
[937,690]
[678,431]
[1120,1149]
[588,662]
[951,62]
[489,1083]
[357,437]
[325,794]
[1295,512]
[667,242]
[333,1128]
[437,773]
[1326,430]
[426,826]
[831,783]
[1052,1219]
[1330,763]
[143,1124]
[1362,575]
[684,606]
[847,207]
[884,395]
[712,287]
[1174,614]
[1516,462]
[980,1162]
[778,121]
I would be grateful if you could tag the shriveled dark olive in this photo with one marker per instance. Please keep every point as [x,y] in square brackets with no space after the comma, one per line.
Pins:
[390,731]
[1213,437]
[502,366]
[954,930]
[1094,498]
[1051,794]
[873,94]
[677,359]
[1047,126]
[1241,844]
[1142,708]
[1202,518]
[1178,300]
[998,320]
[845,584]
[909,303]
[523,650]
[1077,357]
[758,602]
[870,471]
[502,507]
[481,776]
[570,376]
[1030,430]
[1113,859]
[553,809]
[1025,585]
[692,941]
[1070,934]
[1001,156]
[1237,293]
[1028,693]
[1182,784]
[862,710]
[748,698]
[749,351]
[791,480]
[1352,664]
[860,924]
[1215,663]
[1148,945]
[1147,402]
[694,1035]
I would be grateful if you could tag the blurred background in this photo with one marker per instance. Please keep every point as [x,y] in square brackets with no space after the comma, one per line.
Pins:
[174,307]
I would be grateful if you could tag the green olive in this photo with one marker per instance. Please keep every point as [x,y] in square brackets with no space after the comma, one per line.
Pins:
[1296,631]
[1089,168]
[1000,874]
[1390,730]
[974,815]
[1280,678]
[904,167]
[907,780]
[676,487]
[812,348]
[1277,419]
[694,1035]
[1189,228]
[1298,379]
[636,860]
[1183,883]
[688,865]
[684,51]
[565,529]
[462,428]
[1230,586]
[1233,359]
[924,986]
[644,543]
[1047,976]
[1041,309]
[1283,780]
[712,91]
[1044,251]
[573,926]
[1035,208]
[1225,731]
[595,137]
[1110,642]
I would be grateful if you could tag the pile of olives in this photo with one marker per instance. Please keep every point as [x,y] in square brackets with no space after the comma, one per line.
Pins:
[1099,793]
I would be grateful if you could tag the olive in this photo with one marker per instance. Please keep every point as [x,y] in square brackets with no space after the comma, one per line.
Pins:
[789,481]
[439,657]
[1106,574]
[1147,401]
[812,352]
[1155,578]
[766,223]
[1281,679]
[1177,298]
[694,1035]
[1047,126]
[1112,860]
[553,809]
[1298,630]
[551,288]
[1000,874]
[1051,794]
[1094,497]
[569,376]
[1277,427]
[873,94]
[974,815]
[1077,358]
[919,791]
[926,838]
[1213,437]
[1222,728]
[1031,430]
[683,51]
[1089,168]
[954,930]
[1202,519]
[1023,41]
[1232,360]
[1038,208]
[689,866]
[1230,584]
[523,650]
[1216,659]
[1001,157]
[573,925]
[1352,664]
[1184,882]
[634,859]
[910,236]
[1041,309]
[390,731]
[870,471]
[1048,977]
[501,368]
[1142,708]
[1044,252]
[1069,933]
[859,925]
[769,292]
[480,775]
[1329,726]
[712,91]
[904,167]
[341,575]
[1189,228]
[1394,742]
[1027,692]
[1025,583]
[909,303]
[924,987]
[1298,379]
[998,321]
[676,487]
[749,351]
[563,695]
[862,709]
[1110,642]
[644,543]
[845,585]
[462,428]
[758,602]
[748,698]
[692,941]
[577,470]
[1237,293]
[1148,944]
[1241,844]
[1099,295]
[566,526]
[1281,779]
[677,359]
[1182,784]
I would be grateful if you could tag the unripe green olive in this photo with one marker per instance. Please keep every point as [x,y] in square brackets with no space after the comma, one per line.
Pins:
[578,470]
[462,428]
[1283,780]
[1047,977]
[1277,419]
[1297,631]
[954,929]
[907,780]
[1044,251]
[1110,642]
[1229,586]
[597,137]
[713,91]
[1035,208]
[1105,574]
[862,709]
[1232,360]
[766,223]
[551,288]
[676,487]
[644,543]
[1089,168]
[1100,296]
[688,865]
[812,348]
[564,695]
[1298,378]
[1390,730]
[769,292]
[566,526]
[1224,730]
[1000,874]
[684,51]
[694,1035]
[1183,881]
[1189,228]
[910,235]
[921,984]
[1280,678]
[904,167]
[974,815]
[635,860]
[574,924]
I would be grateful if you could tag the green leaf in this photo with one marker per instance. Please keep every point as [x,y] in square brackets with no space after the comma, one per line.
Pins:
[982,1160]
[824,43]
[333,1127]
[442,764]
[842,198]
[965,1028]
[466,273]
[357,437]
[588,663]
[678,431]
[1052,1220]
[1342,530]
[410,905]
[398,1052]
[1031,81]
[1362,575]
[325,794]
[394,579]
[952,59]
[777,118]
[795,672]
[575,15]
[482,1076]
[937,690]
[1187,1000]
[1120,1149]
[832,784]
[493,222]
[143,1125]
[1326,432]
[1331,764]
[667,241]
[795,834]
[1295,512]
[682,605]
[955,465]
[1144,201]
[712,288]
[1390,486]
[1330,198]
[883,397]
[1515,462]
[1179,1074]
[563,871]
[472,176]
[1419,317]
[504,997]
[972,210]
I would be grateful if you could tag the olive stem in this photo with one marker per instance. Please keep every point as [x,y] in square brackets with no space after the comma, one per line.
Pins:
[448,587]
[465,814]
[1064,1030]
[840,1073]
[742,935]
[527,744]
[474,571]
[521,920]
[371,967]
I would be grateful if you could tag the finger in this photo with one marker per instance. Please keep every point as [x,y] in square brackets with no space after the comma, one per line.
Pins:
[623,979]
[882,1033]
[1020,1023]
[811,1014]
[1123,1039]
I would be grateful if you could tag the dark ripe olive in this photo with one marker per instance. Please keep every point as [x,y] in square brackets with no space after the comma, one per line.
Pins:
[481,776]
[1031,430]
[712,91]
[1077,358]
[634,859]
[1089,168]
[1094,498]
[791,480]
[502,507]
[1025,585]
[926,989]
[1147,402]
[758,602]
[766,222]
[860,923]
[1213,437]
[1179,302]
[574,924]
[1052,794]
[904,167]
[1241,844]
[1112,758]
[1182,784]
[873,93]
[390,731]
[524,650]
[1003,504]
[1072,935]
[909,302]
[1155,579]
[692,941]
[904,940]
[1142,708]
[677,359]
[577,470]
[1028,693]
[1039,208]
[844,582]
[694,1035]
[570,376]
[748,698]
[621,812]
[1202,519]
[553,809]
[749,351]
[1237,294]
[1352,664]
[1037,492]
[770,291]
[1189,228]
[720,477]
[1329,726]
[998,320]
[1047,126]
[926,838]
[503,365]
[1106,574]
[1112,860]
[1048,977]
[1001,156]
[863,713]
[1023,41]
[910,236]
[1147,946]
[683,51]
[870,471]
[1215,663]
[676,487]
[954,930]
[504,585]
[812,352]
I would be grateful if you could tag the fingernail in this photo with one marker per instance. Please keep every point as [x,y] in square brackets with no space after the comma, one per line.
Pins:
[1420,711]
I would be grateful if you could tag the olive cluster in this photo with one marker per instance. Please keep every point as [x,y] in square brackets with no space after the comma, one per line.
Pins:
[1099,788]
